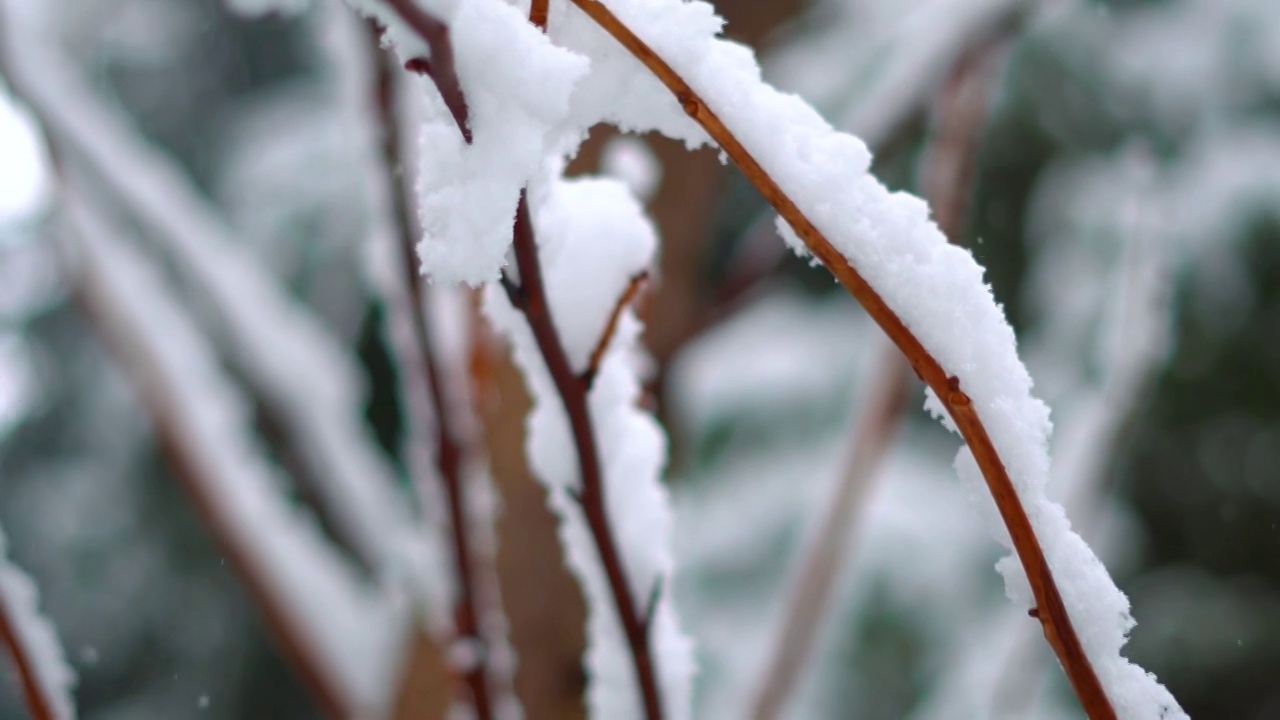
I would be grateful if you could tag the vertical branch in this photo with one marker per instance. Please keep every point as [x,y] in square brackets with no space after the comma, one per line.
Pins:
[1050,609]
[884,393]
[530,298]
[449,446]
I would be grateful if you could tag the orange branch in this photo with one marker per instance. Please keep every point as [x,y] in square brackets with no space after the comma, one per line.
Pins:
[1050,609]
[538,10]
[628,296]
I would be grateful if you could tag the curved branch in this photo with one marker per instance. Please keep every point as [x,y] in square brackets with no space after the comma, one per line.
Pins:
[1050,610]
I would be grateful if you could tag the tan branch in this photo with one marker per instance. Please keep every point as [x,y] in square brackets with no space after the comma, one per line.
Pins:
[1050,609]
[624,301]
[884,398]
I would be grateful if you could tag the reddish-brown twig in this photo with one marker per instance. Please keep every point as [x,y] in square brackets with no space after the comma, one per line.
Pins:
[530,297]
[440,66]
[449,446]
[624,301]
[1050,609]
[40,705]
[538,11]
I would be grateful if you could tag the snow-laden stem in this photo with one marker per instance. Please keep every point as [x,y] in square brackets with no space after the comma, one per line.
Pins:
[530,298]
[1050,609]
[468,603]
[440,67]
[40,706]
[36,690]
[947,177]
[179,442]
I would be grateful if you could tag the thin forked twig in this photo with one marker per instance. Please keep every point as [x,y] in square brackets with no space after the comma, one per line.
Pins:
[1050,609]
[449,451]
[597,353]
[440,66]
[530,297]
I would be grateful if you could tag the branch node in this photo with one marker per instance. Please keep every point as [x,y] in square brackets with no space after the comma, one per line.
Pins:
[956,396]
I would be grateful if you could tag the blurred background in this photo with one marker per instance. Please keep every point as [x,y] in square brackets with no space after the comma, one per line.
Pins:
[1114,165]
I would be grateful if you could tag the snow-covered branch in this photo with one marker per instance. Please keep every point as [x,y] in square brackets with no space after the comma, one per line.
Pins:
[341,634]
[416,353]
[292,363]
[929,298]
[32,644]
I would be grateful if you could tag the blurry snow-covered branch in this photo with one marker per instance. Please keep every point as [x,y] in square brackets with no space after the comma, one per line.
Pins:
[343,635]
[32,645]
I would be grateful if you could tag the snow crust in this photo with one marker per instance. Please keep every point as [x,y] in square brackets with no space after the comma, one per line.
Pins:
[20,604]
[593,238]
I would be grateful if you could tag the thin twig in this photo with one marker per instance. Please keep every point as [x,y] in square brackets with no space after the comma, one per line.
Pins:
[449,450]
[884,393]
[624,301]
[440,67]
[1052,613]
[531,299]
[538,11]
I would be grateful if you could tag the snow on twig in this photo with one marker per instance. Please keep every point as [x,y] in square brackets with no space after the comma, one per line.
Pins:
[628,625]
[439,445]
[947,175]
[930,299]
[341,634]
[531,300]
[32,644]
[302,374]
